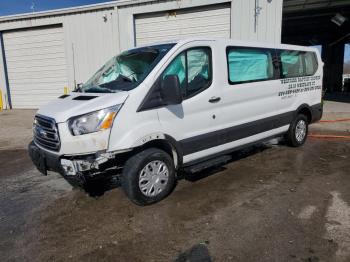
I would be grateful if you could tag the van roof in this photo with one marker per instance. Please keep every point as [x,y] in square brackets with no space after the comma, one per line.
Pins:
[227,41]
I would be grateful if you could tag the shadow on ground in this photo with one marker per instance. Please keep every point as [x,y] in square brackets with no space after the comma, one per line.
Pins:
[198,253]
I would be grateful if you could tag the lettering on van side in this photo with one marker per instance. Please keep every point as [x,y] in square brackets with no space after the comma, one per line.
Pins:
[298,85]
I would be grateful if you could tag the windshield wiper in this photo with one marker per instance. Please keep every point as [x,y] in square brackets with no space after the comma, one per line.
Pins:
[98,89]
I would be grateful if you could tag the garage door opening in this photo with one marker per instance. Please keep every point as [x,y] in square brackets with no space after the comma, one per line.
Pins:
[36,65]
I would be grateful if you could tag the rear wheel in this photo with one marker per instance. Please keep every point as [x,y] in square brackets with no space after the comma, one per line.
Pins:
[148,176]
[298,131]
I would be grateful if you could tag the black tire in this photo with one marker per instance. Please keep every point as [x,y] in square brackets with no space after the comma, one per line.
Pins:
[132,172]
[291,136]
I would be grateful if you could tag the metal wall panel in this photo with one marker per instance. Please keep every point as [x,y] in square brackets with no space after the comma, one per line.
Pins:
[96,33]
[36,65]
[209,21]
[91,39]
[268,20]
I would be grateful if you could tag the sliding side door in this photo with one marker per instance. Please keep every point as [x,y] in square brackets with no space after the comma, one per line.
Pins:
[252,108]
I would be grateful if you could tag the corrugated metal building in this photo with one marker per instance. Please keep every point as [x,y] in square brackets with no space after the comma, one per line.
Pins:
[43,52]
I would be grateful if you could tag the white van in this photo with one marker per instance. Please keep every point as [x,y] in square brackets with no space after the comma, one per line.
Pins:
[154,111]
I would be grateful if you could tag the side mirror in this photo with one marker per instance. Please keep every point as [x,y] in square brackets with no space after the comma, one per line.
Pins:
[78,86]
[170,90]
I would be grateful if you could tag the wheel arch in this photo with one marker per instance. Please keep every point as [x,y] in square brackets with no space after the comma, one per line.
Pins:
[167,144]
[305,109]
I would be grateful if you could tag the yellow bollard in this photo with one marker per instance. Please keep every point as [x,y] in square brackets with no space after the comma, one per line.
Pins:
[1,103]
[66,90]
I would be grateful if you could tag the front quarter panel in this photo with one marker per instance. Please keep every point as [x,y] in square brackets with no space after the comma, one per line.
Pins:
[137,130]
[131,128]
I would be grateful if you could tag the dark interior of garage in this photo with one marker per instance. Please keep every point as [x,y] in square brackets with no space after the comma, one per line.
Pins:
[325,23]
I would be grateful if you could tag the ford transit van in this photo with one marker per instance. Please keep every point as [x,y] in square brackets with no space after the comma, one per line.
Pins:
[154,111]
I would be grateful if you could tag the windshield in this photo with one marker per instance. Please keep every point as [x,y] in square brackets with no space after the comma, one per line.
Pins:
[125,71]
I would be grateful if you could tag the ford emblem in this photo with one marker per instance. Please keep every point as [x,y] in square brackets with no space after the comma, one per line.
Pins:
[42,132]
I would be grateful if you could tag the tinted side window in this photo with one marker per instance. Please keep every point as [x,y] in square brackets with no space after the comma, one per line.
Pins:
[193,67]
[311,64]
[297,63]
[199,70]
[292,64]
[249,64]
[178,67]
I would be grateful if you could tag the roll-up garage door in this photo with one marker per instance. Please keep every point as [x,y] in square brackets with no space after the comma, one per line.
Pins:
[36,65]
[208,21]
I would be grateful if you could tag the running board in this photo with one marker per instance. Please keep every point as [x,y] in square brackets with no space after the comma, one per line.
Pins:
[221,160]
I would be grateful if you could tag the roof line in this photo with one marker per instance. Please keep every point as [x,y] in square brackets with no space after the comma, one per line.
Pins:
[76,9]
[58,11]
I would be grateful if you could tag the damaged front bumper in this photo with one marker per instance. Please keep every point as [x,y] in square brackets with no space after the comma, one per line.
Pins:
[77,167]
[91,164]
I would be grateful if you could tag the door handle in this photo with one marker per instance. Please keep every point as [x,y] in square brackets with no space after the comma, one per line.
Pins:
[214,99]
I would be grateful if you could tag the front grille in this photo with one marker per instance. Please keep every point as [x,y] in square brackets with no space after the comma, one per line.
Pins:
[46,133]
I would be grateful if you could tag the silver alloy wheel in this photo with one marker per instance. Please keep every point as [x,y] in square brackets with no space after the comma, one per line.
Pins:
[153,178]
[300,130]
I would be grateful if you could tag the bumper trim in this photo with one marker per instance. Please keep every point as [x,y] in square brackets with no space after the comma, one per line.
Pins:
[80,167]
[316,112]
[43,160]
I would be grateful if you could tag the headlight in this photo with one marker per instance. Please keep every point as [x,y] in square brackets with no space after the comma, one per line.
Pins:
[93,122]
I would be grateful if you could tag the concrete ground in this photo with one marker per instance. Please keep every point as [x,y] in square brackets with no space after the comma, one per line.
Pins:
[271,203]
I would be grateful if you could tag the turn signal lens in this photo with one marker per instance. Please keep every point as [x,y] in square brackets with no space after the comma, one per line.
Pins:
[108,121]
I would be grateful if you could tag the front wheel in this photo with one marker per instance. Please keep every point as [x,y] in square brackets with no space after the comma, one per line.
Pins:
[148,176]
[298,131]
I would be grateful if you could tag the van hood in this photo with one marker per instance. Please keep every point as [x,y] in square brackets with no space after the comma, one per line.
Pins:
[74,104]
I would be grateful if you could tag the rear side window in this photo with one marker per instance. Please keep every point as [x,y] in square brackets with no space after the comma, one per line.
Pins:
[249,64]
[297,63]
[292,64]
[193,68]
[311,64]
